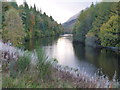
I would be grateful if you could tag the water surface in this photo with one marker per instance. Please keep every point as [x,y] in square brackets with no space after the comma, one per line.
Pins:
[78,56]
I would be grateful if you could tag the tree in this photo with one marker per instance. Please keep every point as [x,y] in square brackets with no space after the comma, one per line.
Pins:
[31,23]
[84,24]
[14,4]
[35,23]
[95,23]
[51,18]
[13,29]
[5,7]
[102,11]
[110,32]
[25,15]
[35,8]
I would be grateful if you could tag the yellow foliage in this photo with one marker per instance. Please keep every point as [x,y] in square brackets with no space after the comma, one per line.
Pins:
[13,29]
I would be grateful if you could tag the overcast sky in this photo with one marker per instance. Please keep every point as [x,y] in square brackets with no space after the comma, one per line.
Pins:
[60,10]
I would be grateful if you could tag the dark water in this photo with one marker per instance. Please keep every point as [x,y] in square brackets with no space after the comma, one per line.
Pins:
[78,55]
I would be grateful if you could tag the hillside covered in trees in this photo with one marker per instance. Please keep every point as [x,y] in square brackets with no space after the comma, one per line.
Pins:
[20,23]
[99,25]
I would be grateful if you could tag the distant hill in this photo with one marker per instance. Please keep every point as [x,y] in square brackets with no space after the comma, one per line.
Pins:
[68,25]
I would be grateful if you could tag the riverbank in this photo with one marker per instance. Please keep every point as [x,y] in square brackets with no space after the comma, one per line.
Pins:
[115,49]
[60,77]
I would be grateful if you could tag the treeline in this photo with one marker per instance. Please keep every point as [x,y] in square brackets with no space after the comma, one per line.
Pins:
[99,25]
[24,22]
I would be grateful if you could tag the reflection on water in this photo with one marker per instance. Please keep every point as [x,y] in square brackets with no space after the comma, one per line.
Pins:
[63,52]
[78,55]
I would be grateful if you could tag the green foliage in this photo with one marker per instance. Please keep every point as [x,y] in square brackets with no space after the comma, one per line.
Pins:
[31,76]
[43,65]
[31,80]
[37,24]
[19,66]
[13,69]
[110,32]
[84,24]
[23,63]
[5,7]
[13,29]
[30,23]
[102,11]
[95,23]
[13,4]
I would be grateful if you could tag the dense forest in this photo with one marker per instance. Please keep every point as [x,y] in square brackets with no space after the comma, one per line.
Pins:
[31,57]
[20,23]
[98,25]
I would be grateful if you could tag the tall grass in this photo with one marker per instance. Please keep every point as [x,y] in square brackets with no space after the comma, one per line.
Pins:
[43,65]
[23,62]
[19,66]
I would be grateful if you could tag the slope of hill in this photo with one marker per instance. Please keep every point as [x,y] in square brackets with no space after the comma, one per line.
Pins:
[68,25]
[98,25]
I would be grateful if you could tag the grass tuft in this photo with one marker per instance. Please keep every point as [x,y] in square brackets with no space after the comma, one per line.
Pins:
[43,65]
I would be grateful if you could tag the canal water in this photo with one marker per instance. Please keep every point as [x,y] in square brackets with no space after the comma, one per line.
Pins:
[78,55]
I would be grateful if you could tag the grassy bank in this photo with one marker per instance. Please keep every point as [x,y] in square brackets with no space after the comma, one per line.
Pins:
[34,70]
[23,74]
[31,79]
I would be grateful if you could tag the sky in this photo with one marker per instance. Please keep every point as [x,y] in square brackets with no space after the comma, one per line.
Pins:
[60,10]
